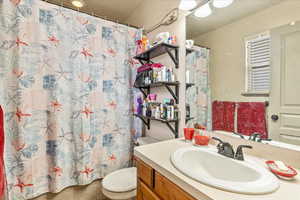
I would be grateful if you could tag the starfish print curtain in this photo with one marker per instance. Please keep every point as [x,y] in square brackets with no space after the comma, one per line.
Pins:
[65,88]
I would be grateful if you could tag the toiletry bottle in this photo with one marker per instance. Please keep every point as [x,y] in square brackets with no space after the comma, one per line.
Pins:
[165,112]
[144,108]
[161,111]
[172,112]
[157,112]
[177,114]
[168,79]
[188,111]
[169,112]
[153,111]
[148,111]
[139,106]
[172,75]
[159,76]
[187,76]
[164,74]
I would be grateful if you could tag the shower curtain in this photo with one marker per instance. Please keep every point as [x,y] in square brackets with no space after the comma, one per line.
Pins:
[199,96]
[65,87]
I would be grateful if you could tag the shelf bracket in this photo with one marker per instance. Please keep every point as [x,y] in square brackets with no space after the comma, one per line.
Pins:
[174,130]
[174,58]
[143,91]
[141,61]
[145,121]
[174,95]
[187,119]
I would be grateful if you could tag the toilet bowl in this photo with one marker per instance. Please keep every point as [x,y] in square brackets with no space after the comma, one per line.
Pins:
[122,184]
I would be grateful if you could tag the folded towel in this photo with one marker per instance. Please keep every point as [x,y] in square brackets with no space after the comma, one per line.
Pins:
[223,115]
[251,118]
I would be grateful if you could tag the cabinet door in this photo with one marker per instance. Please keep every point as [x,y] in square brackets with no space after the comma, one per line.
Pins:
[167,190]
[144,193]
[145,173]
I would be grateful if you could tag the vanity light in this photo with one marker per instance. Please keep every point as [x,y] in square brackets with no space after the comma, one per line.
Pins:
[222,3]
[203,11]
[187,4]
[78,3]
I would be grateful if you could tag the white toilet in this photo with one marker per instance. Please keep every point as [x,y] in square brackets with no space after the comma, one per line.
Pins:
[122,184]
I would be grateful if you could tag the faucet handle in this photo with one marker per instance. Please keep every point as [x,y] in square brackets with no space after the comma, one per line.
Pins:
[255,136]
[239,155]
[219,146]
[217,139]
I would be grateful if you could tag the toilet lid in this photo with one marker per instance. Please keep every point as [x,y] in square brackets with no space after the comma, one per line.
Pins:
[123,180]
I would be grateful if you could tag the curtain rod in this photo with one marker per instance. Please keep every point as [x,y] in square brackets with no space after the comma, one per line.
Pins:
[91,14]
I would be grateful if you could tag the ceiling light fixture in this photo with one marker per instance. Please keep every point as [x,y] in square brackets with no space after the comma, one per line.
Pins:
[222,3]
[203,11]
[78,3]
[187,4]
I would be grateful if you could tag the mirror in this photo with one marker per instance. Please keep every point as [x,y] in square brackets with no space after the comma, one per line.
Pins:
[242,70]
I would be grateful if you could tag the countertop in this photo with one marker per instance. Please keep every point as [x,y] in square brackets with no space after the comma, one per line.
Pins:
[158,157]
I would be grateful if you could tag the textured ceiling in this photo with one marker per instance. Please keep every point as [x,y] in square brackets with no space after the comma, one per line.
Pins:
[116,10]
[220,17]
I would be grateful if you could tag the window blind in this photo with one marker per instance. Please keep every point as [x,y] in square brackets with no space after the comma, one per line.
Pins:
[258,53]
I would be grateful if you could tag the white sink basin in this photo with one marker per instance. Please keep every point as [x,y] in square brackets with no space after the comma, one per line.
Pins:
[208,167]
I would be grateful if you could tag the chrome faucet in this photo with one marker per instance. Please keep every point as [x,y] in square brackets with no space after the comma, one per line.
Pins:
[226,149]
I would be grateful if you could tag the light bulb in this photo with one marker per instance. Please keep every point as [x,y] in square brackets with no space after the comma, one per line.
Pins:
[187,4]
[78,3]
[203,11]
[222,3]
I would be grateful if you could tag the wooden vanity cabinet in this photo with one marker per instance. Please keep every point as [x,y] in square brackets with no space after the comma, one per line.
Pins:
[154,186]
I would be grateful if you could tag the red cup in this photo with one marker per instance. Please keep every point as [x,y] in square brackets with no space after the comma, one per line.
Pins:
[202,140]
[189,133]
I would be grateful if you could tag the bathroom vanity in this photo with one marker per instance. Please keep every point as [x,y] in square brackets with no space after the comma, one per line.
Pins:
[158,179]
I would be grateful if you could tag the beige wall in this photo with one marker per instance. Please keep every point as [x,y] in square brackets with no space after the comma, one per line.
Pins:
[147,15]
[150,12]
[228,52]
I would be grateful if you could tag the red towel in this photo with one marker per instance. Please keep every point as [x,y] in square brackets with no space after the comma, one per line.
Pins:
[223,116]
[2,171]
[251,118]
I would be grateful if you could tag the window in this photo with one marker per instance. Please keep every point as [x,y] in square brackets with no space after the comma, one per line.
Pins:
[258,63]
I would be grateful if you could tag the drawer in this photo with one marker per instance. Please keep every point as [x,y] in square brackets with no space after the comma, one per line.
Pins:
[167,190]
[144,193]
[145,173]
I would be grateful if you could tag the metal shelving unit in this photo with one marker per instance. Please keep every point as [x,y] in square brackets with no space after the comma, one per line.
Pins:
[146,57]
